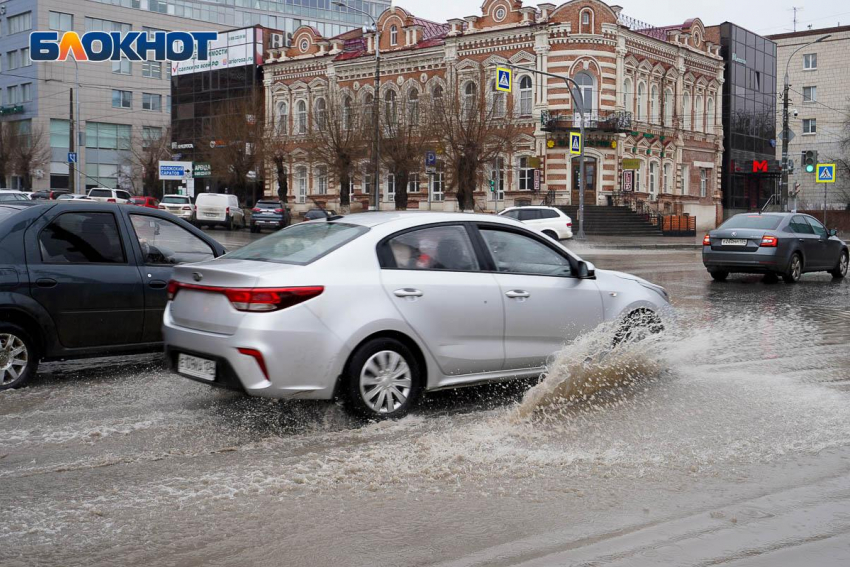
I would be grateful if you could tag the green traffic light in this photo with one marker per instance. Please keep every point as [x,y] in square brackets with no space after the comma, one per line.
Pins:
[810,169]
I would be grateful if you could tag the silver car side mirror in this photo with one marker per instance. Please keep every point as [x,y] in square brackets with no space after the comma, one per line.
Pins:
[585,270]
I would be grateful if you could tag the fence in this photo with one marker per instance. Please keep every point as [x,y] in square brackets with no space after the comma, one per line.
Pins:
[678,225]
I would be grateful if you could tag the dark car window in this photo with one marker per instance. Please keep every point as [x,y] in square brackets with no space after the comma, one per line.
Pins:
[817,226]
[268,205]
[315,214]
[100,193]
[512,214]
[547,214]
[519,254]
[176,201]
[82,238]
[13,197]
[300,244]
[434,248]
[529,215]
[758,222]
[799,225]
[164,243]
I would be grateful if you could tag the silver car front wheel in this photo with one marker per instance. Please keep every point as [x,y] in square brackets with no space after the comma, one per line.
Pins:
[385,382]
[14,360]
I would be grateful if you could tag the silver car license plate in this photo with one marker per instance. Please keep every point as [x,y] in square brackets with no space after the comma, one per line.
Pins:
[733,242]
[196,367]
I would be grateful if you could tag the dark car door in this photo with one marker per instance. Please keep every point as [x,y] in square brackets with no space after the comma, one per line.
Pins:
[827,249]
[81,271]
[809,242]
[161,244]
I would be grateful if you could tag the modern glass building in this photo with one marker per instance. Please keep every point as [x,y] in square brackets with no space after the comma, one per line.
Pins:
[750,170]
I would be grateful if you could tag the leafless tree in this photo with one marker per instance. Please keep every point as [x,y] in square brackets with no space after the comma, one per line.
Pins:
[143,162]
[30,150]
[842,164]
[476,125]
[7,153]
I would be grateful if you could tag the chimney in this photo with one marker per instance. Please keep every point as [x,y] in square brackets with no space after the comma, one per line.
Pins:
[471,20]
[528,14]
[457,27]
[545,10]
[414,34]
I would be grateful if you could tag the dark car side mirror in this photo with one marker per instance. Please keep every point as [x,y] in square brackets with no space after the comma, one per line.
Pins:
[833,232]
[585,271]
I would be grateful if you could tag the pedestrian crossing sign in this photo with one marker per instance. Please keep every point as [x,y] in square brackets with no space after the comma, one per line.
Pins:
[504,79]
[826,173]
[575,143]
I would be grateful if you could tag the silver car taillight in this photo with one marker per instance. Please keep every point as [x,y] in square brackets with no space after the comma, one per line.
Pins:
[258,299]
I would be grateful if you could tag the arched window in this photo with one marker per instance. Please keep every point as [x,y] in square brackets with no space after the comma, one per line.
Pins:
[638,178]
[497,98]
[711,117]
[587,88]
[668,107]
[628,95]
[368,108]
[654,106]
[525,96]
[668,173]
[346,113]
[301,116]
[437,97]
[321,113]
[282,119]
[322,180]
[469,94]
[640,111]
[393,35]
[392,108]
[653,177]
[301,183]
[699,122]
[686,111]
[413,106]
[526,175]
[586,21]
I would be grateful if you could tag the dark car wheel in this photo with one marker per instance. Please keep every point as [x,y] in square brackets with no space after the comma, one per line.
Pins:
[840,271]
[255,229]
[18,357]
[383,380]
[795,269]
[719,275]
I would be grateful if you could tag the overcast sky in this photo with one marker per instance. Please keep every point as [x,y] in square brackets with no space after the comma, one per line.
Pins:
[761,16]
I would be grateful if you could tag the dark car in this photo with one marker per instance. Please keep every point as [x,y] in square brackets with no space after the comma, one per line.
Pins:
[86,279]
[269,214]
[774,244]
[316,214]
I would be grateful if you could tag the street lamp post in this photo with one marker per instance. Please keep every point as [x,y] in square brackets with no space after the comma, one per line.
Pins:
[783,184]
[376,149]
[575,92]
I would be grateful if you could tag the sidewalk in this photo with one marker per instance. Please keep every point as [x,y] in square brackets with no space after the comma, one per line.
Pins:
[637,242]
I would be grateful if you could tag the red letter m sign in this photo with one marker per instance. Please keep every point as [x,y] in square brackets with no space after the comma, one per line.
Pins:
[759,166]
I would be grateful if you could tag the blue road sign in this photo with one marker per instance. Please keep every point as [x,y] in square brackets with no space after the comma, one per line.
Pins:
[575,143]
[504,78]
[430,158]
[826,173]
[72,157]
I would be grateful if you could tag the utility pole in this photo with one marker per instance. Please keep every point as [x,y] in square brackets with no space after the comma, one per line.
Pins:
[72,131]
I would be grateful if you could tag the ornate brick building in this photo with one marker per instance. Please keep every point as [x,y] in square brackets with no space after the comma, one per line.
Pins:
[653,98]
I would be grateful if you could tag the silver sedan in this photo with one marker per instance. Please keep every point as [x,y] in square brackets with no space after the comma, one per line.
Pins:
[377,308]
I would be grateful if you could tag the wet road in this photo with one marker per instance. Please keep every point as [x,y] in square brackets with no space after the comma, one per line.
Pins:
[726,441]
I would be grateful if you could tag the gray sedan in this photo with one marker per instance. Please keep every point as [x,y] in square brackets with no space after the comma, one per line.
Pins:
[379,307]
[774,244]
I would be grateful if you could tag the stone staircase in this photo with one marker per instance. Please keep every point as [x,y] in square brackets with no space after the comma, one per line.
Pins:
[614,221]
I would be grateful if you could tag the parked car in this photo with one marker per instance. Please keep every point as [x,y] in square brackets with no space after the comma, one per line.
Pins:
[105,195]
[149,202]
[219,209]
[82,279]
[379,307]
[269,214]
[75,198]
[774,244]
[316,214]
[551,221]
[48,194]
[179,206]
[7,195]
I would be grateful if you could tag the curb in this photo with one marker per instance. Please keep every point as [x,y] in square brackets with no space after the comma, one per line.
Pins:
[590,247]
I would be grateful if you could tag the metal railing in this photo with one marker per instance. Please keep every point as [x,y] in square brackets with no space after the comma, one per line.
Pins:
[602,120]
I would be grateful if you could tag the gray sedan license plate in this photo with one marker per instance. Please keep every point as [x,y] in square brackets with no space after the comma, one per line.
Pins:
[196,367]
[733,242]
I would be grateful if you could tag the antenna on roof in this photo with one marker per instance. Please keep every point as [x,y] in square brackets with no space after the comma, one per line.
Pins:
[795,9]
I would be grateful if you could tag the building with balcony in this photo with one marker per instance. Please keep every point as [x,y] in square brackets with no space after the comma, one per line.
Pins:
[652,96]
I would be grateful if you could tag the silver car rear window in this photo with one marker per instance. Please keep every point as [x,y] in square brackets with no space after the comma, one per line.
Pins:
[758,222]
[300,244]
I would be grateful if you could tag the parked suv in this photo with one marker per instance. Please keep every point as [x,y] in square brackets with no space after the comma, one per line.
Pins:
[548,220]
[105,195]
[82,279]
[269,214]
[179,206]
[219,209]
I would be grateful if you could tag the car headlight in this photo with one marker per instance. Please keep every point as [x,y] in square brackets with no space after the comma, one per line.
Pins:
[657,289]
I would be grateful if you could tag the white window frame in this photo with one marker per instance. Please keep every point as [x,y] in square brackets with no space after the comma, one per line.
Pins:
[60,22]
[389,190]
[497,99]
[668,107]
[812,124]
[526,96]
[322,180]
[19,22]
[808,58]
[811,96]
[301,181]
[148,102]
[128,99]
[301,116]
[437,184]
[282,118]
[703,182]
[525,175]
[654,105]
[653,177]
[699,121]
[666,175]
[413,182]
[686,179]
[686,111]
[394,35]
[639,102]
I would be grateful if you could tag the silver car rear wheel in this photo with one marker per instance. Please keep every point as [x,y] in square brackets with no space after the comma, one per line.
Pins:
[385,382]
[14,359]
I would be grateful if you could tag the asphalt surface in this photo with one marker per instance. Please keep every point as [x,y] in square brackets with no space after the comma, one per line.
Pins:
[724,442]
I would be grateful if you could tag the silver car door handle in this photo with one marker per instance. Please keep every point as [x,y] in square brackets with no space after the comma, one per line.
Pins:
[518,294]
[408,293]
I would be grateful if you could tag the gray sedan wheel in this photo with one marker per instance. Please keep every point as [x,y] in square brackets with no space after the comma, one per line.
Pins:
[18,359]
[383,379]
[795,270]
[840,270]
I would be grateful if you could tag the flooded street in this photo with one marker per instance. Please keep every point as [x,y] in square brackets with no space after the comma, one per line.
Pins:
[724,441]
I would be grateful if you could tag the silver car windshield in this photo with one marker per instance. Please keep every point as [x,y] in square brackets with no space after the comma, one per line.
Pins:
[300,244]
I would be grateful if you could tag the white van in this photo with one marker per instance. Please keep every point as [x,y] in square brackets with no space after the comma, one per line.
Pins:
[212,209]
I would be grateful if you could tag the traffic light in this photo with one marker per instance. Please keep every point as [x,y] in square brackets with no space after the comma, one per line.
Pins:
[810,160]
[492,185]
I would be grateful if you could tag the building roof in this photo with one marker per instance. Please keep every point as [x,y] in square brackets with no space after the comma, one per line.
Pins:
[804,33]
